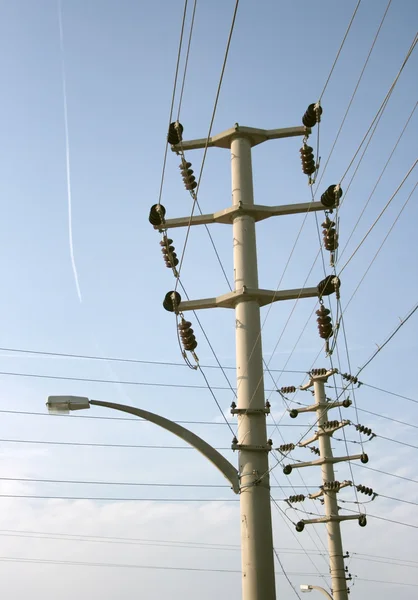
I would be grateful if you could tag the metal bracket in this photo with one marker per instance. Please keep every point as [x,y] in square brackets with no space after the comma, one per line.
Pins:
[250,411]
[251,447]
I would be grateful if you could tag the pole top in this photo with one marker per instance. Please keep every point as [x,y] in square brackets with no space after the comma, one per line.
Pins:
[254,135]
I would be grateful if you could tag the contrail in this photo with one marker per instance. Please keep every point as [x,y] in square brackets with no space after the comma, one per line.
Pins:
[67,152]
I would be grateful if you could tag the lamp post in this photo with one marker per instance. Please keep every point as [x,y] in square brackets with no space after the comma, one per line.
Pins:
[66,404]
[308,588]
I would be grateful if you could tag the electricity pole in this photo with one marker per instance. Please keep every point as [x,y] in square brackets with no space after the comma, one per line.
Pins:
[330,487]
[258,581]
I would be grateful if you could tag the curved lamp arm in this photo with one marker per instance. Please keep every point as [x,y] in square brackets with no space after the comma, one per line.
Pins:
[67,403]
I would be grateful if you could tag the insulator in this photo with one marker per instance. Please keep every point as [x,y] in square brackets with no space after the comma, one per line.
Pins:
[187,174]
[296,498]
[287,469]
[175,133]
[290,389]
[187,335]
[316,372]
[293,413]
[172,301]
[300,526]
[365,490]
[330,235]
[169,254]
[156,215]
[328,286]
[364,459]
[332,486]
[331,197]
[362,520]
[308,161]
[312,115]
[234,440]
[365,430]
[330,424]
[324,322]
[314,449]
[346,403]
[349,377]
[286,447]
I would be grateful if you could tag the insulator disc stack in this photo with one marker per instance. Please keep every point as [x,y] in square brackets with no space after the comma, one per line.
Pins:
[286,447]
[187,335]
[156,215]
[169,253]
[317,372]
[307,158]
[175,133]
[332,486]
[331,424]
[365,490]
[296,498]
[187,174]
[350,378]
[324,323]
[312,115]
[331,197]
[365,430]
[290,389]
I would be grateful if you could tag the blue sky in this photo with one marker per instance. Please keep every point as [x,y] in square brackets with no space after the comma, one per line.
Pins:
[119,64]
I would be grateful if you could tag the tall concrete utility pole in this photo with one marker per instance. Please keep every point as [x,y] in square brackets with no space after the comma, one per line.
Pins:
[258,581]
[330,487]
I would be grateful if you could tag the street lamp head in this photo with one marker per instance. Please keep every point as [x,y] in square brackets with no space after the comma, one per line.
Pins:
[59,405]
[305,588]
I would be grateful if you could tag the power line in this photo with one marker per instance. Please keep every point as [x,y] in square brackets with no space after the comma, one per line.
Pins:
[130,483]
[369,412]
[186,63]
[382,106]
[379,389]
[107,499]
[380,215]
[98,445]
[386,473]
[195,195]
[398,499]
[385,519]
[173,97]
[340,49]
[114,381]
[380,348]
[135,419]
[124,360]
[379,179]
[353,95]
[285,574]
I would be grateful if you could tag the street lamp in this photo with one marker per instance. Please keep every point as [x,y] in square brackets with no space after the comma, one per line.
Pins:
[65,404]
[308,588]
